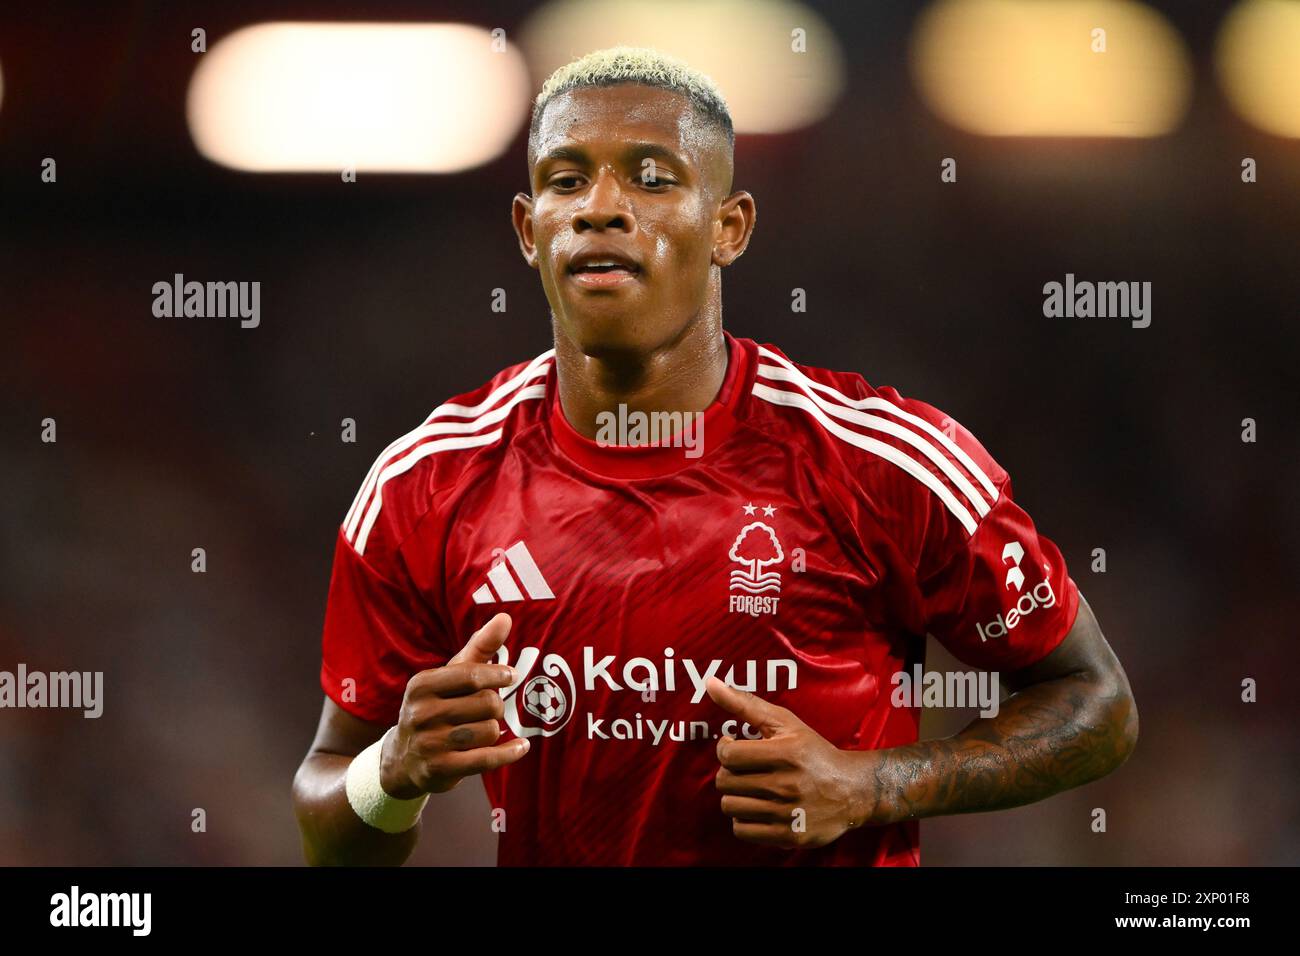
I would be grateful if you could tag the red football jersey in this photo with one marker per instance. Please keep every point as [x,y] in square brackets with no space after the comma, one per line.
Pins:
[802,550]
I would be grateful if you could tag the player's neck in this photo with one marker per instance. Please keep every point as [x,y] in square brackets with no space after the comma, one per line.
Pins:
[683,376]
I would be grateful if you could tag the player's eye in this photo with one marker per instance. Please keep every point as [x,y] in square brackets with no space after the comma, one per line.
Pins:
[566,181]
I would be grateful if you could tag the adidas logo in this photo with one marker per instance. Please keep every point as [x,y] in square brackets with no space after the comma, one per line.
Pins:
[501,582]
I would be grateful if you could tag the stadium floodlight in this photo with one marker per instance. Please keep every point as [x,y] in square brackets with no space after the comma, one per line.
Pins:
[430,98]
[1258,61]
[1078,68]
[777,64]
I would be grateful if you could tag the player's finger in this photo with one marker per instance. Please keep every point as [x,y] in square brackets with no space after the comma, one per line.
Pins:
[471,736]
[749,756]
[456,680]
[765,834]
[758,713]
[469,709]
[464,763]
[764,786]
[754,810]
[483,643]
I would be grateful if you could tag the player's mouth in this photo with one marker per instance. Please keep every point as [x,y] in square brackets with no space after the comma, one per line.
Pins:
[603,270]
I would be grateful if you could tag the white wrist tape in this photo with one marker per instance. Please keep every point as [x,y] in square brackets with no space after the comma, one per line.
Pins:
[369,799]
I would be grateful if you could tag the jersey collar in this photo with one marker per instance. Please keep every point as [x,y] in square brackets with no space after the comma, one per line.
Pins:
[648,461]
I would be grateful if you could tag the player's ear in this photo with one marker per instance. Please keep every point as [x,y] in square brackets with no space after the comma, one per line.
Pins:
[521,215]
[734,226]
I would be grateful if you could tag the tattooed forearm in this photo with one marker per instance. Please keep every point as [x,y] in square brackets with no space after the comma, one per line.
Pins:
[1047,738]
[1073,720]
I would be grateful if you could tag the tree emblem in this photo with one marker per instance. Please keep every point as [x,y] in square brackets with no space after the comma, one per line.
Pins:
[756,547]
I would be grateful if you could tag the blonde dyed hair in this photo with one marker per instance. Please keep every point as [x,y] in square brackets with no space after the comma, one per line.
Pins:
[641,65]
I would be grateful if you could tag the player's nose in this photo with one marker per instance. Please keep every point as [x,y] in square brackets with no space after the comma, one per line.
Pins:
[604,207]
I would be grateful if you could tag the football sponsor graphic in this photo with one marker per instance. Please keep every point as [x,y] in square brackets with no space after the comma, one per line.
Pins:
[542,704]
[547,697]
[544,699]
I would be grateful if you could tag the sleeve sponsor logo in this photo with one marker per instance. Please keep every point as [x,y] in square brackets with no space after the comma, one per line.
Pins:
[1041,595]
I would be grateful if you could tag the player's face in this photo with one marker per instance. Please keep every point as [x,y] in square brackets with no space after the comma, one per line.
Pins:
[624,215]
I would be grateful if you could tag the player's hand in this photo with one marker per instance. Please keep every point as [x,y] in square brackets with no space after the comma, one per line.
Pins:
[793,788]
[448,726]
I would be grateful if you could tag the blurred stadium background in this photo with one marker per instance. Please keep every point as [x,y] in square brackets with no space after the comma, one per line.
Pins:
[183,433]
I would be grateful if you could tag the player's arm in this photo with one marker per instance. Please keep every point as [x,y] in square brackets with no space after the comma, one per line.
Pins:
[332,833]
[447,730]
[1070,720]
